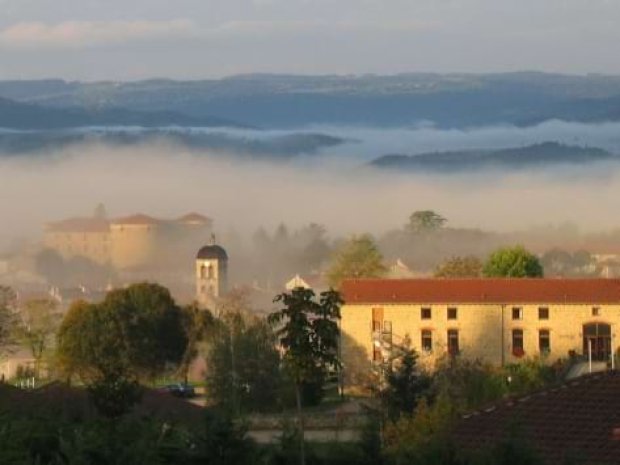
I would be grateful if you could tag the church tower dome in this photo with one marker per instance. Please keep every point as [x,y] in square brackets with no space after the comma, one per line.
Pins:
[211,273]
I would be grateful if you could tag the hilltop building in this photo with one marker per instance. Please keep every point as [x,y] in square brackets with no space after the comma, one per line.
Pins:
[128,243]
[497,320]
[211,274]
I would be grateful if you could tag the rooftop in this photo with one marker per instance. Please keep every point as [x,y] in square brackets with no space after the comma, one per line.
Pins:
[578,420]
[481,290]
[80,225]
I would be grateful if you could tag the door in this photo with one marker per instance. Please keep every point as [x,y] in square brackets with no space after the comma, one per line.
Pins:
[598,337]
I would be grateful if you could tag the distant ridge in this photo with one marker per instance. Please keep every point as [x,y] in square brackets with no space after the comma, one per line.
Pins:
[542,154]
[455,100]
[24,116]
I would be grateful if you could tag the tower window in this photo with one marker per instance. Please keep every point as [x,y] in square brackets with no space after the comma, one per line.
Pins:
[203,272]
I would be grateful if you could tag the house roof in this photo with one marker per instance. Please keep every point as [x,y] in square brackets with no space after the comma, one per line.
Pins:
[80,225]
[481,290]
[194,218]
[137,219]
[578,420]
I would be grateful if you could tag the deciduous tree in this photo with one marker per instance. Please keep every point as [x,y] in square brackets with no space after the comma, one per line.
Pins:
[308,334]
[359,257]
[460,267]
[513,262]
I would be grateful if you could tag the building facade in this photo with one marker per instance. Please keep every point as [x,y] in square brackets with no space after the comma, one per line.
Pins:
[127,243]
[499,321]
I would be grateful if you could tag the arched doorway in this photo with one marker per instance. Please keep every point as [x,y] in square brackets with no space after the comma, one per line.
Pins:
[599,335]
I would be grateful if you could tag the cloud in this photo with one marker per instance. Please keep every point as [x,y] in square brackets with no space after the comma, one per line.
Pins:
[81,34]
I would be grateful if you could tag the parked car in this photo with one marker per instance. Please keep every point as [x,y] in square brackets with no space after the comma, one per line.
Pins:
[180,390]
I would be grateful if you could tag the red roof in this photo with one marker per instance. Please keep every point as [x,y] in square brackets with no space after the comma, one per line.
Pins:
[481,290]
[136,219]
[80,225]
[194,218]
[580,419]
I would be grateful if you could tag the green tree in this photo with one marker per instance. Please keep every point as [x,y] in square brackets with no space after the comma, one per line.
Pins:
[513,262]
[198,324]
[8,317]
[460,267]
[36,328]
[406,384]
[243,365]
[308,333]
[135,334]
[359,257]
[425,221]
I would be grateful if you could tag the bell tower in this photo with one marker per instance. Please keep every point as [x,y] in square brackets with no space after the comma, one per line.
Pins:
[211,273]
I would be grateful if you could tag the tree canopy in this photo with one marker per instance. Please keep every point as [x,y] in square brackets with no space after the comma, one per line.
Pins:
[135,332]
[460,267]
[308,334]
[359,257]
[425,221]
[513,262]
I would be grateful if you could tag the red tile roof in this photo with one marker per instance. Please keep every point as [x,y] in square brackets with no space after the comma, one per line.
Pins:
[578,420]
[194,218]
[136,219]
[80,225]
[481,290]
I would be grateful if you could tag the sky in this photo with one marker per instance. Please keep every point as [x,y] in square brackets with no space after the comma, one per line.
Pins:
[199,39]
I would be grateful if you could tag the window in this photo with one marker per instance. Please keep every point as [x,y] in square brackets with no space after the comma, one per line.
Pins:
[203,272]
[377,318]
[517,313]
[376,354]
[453,342]
[543,313]
[596,311]
[426,313]
[210,274]
[517,342]
[427,340]
[452,313]
[544,341]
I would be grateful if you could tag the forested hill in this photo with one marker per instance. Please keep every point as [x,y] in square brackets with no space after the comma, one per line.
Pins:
[282,101]
[548,153]
[17,115]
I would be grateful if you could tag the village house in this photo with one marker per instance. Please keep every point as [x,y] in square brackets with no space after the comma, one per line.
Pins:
[499,321]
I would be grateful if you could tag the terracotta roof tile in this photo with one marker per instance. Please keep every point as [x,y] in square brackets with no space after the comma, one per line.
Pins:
[195,218]
[579,420]
[481,290]
[136,219]
[79,225]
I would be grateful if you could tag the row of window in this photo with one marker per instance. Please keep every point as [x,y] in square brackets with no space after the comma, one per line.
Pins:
[544,342]
[517,313]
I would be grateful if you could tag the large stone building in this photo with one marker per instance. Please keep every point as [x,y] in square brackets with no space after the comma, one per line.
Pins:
[132,242]
[497,320]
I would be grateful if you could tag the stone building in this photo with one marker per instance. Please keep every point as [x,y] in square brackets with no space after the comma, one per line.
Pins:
[497,320]
[132,242]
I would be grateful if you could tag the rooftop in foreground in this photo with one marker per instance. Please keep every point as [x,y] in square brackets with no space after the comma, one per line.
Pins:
[579,420]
